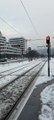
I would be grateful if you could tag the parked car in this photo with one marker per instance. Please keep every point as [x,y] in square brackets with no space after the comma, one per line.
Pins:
[3,60]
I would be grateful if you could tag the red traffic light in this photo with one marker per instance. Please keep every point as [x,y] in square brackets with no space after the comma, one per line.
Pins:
[48,39]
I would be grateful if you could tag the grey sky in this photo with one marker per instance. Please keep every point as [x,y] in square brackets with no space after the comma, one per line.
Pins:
[40,11]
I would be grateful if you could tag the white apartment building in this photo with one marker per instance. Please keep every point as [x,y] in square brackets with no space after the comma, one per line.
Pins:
[19,43]
[6,50]
[12,51]
[2,44]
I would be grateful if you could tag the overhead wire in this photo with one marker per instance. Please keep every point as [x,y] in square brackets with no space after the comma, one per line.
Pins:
[10,26]
[29,17]
[15,29]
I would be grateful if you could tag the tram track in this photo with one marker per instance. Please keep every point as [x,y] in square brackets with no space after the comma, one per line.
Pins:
[12,93]
[17,76]
[12,69]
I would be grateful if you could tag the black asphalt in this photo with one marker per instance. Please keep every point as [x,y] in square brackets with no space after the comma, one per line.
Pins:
[33,106]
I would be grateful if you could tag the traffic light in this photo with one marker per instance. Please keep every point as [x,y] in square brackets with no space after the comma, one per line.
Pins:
[48,40]
[48,50]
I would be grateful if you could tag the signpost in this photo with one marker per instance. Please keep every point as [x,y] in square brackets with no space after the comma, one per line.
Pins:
[48,45]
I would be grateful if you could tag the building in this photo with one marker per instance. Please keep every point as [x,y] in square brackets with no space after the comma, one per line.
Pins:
[14,48]
[12,52]
[6,50]
[19,43]
[2,45]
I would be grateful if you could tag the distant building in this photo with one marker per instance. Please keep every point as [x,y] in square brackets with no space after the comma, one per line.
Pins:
[6,50]
[12,51]
[19,43]
[14,48]
[2,45]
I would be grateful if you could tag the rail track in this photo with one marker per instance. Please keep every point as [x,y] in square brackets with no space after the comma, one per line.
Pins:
[12,69]
[12,74]
[13,61]
[11,94]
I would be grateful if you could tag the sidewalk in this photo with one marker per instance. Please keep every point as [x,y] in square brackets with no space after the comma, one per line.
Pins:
[32,108]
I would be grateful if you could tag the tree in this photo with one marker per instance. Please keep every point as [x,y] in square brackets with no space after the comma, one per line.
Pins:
[32,54]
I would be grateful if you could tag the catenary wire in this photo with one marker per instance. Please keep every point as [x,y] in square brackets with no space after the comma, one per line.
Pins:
[11,26]
[15,29]
[29,17]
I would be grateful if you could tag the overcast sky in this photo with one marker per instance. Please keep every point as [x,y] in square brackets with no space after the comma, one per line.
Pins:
[41,13]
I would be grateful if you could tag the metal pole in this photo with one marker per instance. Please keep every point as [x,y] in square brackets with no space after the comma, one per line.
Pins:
[48,60]
[22,52]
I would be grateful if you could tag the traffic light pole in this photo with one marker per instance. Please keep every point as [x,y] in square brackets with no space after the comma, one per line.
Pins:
[48,45]
[48,60]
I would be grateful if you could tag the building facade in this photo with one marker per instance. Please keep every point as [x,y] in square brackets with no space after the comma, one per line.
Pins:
[12,52]
[2,45]
[15,47]
[6,50]
[19,43]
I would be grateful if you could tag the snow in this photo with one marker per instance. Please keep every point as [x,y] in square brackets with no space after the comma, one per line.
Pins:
[43,79]
[7,79]
[8,66]
[11,93]
[43,76]
[47,95]
[47,98]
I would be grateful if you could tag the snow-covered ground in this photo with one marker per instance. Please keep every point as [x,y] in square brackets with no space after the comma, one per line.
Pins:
[43,77]
[10,94]
[47,98]
[47,95]
[8,66]
[8,78]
